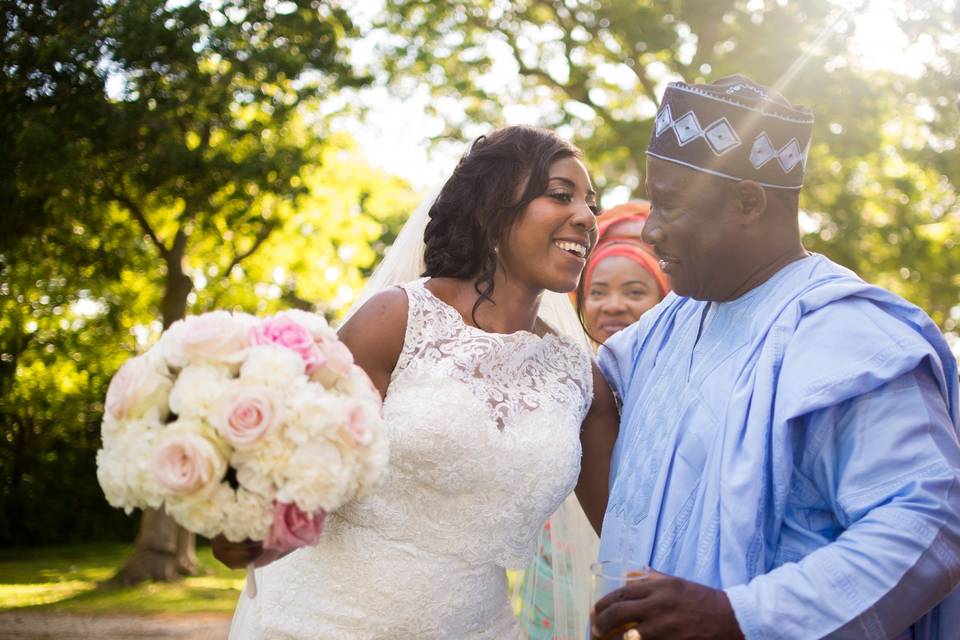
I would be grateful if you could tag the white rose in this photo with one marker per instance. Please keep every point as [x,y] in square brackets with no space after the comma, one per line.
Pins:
[219,337]
[272,366]
[140,387]
[197,390]
[246,414]
[189,458]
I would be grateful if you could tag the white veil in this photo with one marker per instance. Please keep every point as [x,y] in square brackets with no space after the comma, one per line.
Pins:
[403,260]
[564,573]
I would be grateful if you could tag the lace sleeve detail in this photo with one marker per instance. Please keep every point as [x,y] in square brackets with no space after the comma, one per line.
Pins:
[579,365]
[418,330]
[588,363]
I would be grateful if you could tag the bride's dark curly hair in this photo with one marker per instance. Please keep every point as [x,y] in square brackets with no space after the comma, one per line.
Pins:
[479,202]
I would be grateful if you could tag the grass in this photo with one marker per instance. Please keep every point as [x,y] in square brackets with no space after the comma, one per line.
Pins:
[65,579]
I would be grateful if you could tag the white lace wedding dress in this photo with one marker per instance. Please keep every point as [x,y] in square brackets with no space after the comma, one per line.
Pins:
[484,445]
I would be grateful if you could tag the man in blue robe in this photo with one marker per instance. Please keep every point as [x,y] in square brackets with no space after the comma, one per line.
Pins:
[788,461]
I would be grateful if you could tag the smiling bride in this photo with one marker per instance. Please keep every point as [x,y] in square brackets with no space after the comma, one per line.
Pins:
[493,407]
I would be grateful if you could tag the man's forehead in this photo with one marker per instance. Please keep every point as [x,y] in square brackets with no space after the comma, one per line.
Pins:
[669,180]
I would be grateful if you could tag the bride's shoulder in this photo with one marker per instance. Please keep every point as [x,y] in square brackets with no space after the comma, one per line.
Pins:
[375,332]
[383,314]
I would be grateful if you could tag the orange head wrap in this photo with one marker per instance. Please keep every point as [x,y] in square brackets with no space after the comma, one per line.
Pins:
[615,238]
[630,249]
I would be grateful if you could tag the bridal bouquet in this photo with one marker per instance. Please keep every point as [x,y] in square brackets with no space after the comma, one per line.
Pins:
[251,428]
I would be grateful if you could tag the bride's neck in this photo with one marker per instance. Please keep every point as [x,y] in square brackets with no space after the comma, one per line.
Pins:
[515,306]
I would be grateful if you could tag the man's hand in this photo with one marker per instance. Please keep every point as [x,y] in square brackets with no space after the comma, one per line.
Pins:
[665,607]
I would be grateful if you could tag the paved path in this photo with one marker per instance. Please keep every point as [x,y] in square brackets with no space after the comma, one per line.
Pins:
[47,626]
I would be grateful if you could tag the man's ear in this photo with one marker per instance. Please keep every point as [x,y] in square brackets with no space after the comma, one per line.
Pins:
[751,200]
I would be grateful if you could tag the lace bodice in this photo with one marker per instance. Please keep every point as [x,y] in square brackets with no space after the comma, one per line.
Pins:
[484,446]
[512,374]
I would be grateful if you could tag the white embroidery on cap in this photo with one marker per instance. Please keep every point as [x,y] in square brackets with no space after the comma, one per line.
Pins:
[790,156]
[687,128]
[721,136]
[664,120]
[762,151]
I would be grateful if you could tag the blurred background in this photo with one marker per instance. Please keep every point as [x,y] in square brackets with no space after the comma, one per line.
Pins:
[169,157]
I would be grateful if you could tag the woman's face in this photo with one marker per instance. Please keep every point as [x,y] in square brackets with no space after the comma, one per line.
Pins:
[546,248]
[620,291]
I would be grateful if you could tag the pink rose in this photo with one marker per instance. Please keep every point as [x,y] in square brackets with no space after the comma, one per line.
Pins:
[338,361]
[285,332]
[139,385]
[245,414]
[187,462]
[358,425]
[292,528]
[217,336]
[337,355]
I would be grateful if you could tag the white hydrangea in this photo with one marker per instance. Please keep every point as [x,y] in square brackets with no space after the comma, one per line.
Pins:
[315,477]
[357,385]
[259,469]
[125,467]
[272,366]
[198,389]
[313,412]
[248,516]
[203,512]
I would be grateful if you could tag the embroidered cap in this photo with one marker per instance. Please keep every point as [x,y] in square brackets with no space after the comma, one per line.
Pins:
[733,128]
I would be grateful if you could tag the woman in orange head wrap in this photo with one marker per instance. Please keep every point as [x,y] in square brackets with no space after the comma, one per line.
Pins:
[622,279]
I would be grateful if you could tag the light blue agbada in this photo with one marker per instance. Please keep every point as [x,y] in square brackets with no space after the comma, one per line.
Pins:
[798,448]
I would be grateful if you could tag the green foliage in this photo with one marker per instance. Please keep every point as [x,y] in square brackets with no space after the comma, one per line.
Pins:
[64,330]
[881,194]
[324,246]
[200,97]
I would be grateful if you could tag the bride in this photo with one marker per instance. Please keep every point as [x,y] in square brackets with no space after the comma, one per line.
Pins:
[492,405]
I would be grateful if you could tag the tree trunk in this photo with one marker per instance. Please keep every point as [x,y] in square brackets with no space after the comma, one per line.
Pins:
[158,550]
[163,549]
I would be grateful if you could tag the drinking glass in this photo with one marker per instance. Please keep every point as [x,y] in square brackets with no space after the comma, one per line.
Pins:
[610,575]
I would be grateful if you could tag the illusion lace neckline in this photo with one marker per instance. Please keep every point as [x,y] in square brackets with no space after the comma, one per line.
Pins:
[455,313]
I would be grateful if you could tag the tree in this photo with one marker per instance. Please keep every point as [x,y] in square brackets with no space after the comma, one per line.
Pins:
[69,319]
[171,121]
[880,197]
[63,332]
